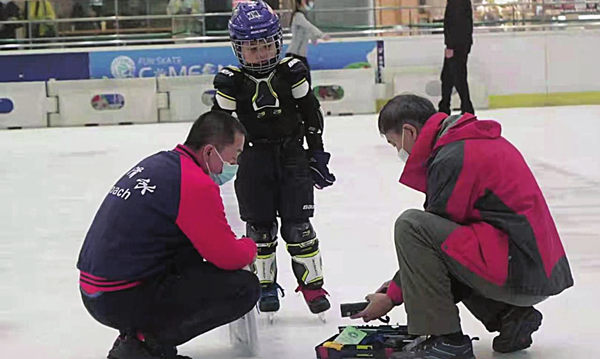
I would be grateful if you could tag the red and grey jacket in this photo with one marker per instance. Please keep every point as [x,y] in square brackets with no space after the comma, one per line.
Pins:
[473,176]
[163,206]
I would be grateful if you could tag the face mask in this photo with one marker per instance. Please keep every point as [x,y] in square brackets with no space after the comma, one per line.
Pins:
[309,6]
[402,153]
[226,175]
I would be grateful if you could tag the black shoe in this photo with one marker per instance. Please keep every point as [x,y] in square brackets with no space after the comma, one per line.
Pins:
[128,347]
[438,347]
[517,325]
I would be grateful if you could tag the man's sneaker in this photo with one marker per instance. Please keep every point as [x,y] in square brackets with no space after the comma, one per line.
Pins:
[162,351]
[438,347]
[269,297]
[315,298]
[516,328]
[129,347]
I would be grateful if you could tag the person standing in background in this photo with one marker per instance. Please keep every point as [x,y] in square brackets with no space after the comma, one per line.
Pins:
[187,26]
[96,6]
[303,32]
[458,37]
[41,10]
[10,12]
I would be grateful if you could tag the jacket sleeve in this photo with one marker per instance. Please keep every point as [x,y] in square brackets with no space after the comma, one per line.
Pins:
[202,219]
[394,290]
[314,32]
[308,105]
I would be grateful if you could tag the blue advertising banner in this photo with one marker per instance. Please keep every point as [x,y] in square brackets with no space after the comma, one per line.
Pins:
[160,62]
[342,55]
[209,60]
[64,66]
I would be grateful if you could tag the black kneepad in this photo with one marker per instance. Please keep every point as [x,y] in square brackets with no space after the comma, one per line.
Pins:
[265,236]
[300,238]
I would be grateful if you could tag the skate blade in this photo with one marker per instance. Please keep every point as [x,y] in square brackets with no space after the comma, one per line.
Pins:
[322,317]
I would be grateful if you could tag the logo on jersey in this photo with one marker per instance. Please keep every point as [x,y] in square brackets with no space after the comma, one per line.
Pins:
[122,193]
[144,186]
[135,171]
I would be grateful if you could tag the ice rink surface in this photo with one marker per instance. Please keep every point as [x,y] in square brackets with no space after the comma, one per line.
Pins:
[53,180]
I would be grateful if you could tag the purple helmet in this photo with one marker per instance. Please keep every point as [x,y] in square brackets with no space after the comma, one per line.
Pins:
[255,33]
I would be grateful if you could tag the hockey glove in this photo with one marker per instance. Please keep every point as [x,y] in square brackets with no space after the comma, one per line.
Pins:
[320,173]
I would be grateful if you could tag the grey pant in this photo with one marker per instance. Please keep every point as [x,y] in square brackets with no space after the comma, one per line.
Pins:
[432,282]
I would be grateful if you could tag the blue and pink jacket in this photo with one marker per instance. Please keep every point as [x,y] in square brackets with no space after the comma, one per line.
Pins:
[473,176]
[164,205]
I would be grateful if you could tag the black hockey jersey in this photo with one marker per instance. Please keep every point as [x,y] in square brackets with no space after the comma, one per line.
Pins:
[272,106]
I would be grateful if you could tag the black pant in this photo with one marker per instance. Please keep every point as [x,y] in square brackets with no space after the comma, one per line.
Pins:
[274,180]
[454,74]
[190,298]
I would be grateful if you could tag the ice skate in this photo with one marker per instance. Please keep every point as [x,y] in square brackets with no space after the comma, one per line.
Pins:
[316,300]
[269,300]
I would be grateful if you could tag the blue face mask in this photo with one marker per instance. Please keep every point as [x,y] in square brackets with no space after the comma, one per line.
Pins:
[226,175]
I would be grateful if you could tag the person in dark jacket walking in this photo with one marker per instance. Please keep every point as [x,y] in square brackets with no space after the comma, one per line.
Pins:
[9,12]
[160,262]
[485,237]
[458,37]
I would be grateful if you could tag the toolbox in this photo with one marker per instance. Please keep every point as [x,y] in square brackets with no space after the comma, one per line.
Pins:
[380,342]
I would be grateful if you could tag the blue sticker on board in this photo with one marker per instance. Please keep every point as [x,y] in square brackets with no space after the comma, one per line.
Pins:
[6,105]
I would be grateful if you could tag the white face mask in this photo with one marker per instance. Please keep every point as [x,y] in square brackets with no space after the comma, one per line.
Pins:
[309,6]
[402,153]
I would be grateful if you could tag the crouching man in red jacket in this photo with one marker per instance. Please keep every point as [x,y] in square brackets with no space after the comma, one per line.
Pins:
[485,236]
[160,263]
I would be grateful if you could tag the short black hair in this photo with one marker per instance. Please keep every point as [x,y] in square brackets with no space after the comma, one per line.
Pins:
[402,109]
[217,128]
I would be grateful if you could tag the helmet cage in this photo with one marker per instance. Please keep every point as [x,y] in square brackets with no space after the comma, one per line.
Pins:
[266,64]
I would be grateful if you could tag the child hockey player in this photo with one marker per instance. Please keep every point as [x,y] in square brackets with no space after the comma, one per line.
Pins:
[273,99]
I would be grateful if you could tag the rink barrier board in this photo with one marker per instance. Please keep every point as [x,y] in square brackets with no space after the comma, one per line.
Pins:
[425,81]
[358,88]
[100,102]
[188,97]
[135,101]
[25,105]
